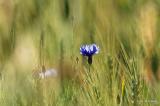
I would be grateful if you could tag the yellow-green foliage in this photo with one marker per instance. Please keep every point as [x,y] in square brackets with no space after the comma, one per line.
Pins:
[49,33]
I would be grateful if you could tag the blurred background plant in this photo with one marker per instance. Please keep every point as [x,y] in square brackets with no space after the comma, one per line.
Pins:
[37,35]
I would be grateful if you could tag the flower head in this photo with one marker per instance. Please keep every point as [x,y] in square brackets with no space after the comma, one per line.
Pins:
[89,51]
[48,73]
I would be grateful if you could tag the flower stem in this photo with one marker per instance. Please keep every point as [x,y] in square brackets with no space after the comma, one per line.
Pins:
[90,60]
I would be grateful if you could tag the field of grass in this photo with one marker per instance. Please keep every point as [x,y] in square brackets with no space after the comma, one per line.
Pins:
[41,35]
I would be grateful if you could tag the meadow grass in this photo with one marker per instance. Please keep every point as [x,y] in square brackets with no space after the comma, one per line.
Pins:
[49,33]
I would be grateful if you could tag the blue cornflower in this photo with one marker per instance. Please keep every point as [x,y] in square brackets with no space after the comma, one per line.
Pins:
[89,51]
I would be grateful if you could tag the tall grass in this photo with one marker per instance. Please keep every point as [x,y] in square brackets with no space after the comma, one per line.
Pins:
[43,34]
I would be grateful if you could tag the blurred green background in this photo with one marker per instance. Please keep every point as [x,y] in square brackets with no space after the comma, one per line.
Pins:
[49,33]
